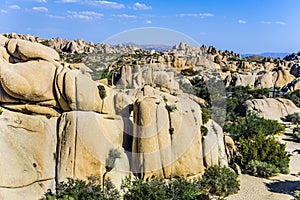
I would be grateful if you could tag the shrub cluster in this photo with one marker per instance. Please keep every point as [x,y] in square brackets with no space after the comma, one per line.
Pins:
[294,118]
[252,124]
[216,181]
[296,133]
[297,194]
[294,97]
[261,169]
[258,149]
[263,149]
[75,189]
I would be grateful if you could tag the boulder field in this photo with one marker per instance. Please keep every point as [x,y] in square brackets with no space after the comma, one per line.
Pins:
[56,122]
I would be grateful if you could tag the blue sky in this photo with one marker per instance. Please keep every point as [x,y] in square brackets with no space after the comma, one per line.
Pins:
[244,26]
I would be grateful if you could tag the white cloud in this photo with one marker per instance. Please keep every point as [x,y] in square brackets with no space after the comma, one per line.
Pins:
[69,1]
[124,16]
[40,9]
[86,15]
[148,22]
[105,4]
[241,21]
[55,16]
[41,1]
[269,22]
[3,11]
[14,7]
[140,6]
[266,22]
[280,23]
[201,15]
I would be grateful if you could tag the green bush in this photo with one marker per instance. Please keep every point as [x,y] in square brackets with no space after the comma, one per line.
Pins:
[261,169]
[182,189]
[294,117]
[206,115]
[175,189]
[296,133]
[294,97]
[263,149]
[204,130]
[252,124]
[75,189]
[297,194]
[140,190]
[220,181]
[189,72]
[101,91]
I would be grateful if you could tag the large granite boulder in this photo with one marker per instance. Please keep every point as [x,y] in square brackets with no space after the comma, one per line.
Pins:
[270,108]
[28,150]
[166,137]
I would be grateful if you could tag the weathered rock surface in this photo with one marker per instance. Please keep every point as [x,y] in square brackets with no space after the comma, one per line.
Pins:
[58,123]
[28,145]
[166,144]
[214,146]
[84,141]
[270,108]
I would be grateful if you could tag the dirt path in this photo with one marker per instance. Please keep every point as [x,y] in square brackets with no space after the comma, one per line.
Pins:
[280,187]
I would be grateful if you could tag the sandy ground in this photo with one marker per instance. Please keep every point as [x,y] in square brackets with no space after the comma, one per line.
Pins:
[280,187]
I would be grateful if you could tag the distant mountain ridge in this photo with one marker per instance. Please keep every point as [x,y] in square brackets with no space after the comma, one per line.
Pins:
[280,55]
[156,47]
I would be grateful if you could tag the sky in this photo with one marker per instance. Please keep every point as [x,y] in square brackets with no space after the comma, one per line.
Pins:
[244,26]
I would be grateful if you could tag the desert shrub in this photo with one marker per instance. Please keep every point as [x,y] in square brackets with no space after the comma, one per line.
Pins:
[261,169]
[45,42]
[263,149]
[189,72]
[245,127]
[220,181]
[231,106]
[294,117]
[108,75]
[200,89]
[140,190]
[294,97]
[296,133]
[204,130]
[175,189]
[101,91]
[75,189]
[206,115]
[182,189]
[297,194]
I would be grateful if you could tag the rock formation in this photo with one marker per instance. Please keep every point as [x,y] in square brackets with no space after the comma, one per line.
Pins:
[270,108]
[56,122]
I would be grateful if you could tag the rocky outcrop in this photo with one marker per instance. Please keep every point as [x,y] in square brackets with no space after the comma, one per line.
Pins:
[166,137]
[58,123]
[28,149]
[270,108]
[84,142]
[214,151]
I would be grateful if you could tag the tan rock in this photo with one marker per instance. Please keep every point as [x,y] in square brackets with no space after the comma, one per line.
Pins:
[108,104]
[214,145]
[3,40]
[3,54]
[85,139]
[28,51]
[32,109]
[154,152]
[29,169]
[30,81]
[270,108]
[283,77]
